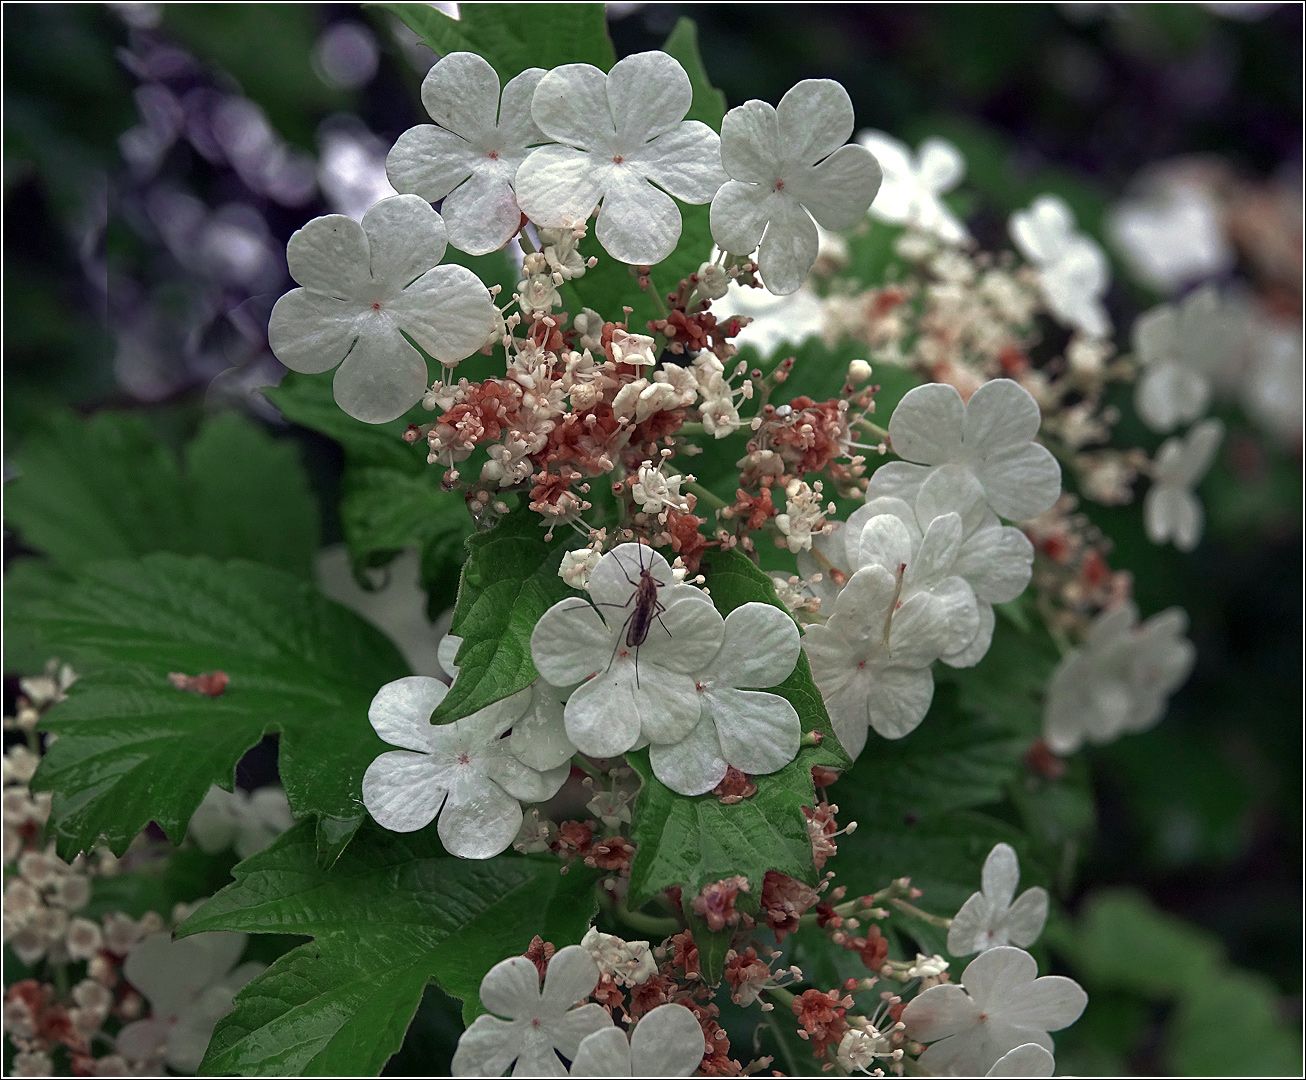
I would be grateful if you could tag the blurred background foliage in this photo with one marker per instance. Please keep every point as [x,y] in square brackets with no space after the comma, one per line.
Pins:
[158,157]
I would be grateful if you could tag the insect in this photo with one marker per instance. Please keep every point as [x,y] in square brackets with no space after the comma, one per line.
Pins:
[647,608]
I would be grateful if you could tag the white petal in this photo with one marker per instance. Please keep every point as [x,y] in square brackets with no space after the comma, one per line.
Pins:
[1200,445]
[539,739]
[861,608]
[482,215]
[739,215]
[885,542]
[686,161]
[402,790]
[1169,394]
[934,624]
[537,1057]
[938,551]
[558,182]
[571,642]
[401,711]
[521,781]
[688,632]
[429,161]
[572,1027]
[844,687]
[489,1046]
[995,975]
[605,1053]
[666,1042]
[750,144]
[310,332]
[900,699]
[693,765]
[329,255]
[1172,513]
[789,247]
[447,311]
[141,1040]
[939,1012]
[638,223]
[1021,482]
[171,973]
[406,239]
[479,818]
[815,118]
[461,93]
[997,562]
[447,653]
[970,926]
[1047,1004]
[1027,917]
[760,648]
[759,733]
[893,202]
[897,479]
[941,164]
[516,126]
[618,573]
[512,988]
[571,975]
[839,190]
[602,716]
[927,427]
[649,94]
[1001,875]
[1000,414]
[382,378]
[1029,1059]
[571,106]
[954,488]
[973,653]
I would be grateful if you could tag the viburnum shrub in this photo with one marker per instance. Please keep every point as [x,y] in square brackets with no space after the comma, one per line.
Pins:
[739,642]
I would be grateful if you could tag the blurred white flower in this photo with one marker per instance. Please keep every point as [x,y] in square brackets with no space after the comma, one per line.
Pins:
[1028,1059]
[667,1041]
[1171,235]
[622,140]
[789,165]
[910,194]
[990,918]
[1000,1005]
[777,320]
[246,820]
[1072,269]
[1170,509]
[1271,387]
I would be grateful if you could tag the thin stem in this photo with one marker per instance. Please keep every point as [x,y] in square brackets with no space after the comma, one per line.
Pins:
[586,766]
[911,909]
[524,242]
[780,995]
[873,428]
[691,427]
[714,501]
[659,304]
[656,926]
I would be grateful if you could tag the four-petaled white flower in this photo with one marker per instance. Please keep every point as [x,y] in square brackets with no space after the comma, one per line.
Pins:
[632,691]
[541,1023]
[1119,679]
[246,820]
[1172,235]
[788,165]
[667,1041]
[755,732]
[621,139]
[1170,509]
[1072,269]
[1028,1059]
[912,186]
[995,560]
[469,157]
[189,984]
[630,963]
[1001,1004]
[992,435]
[989,918]
[366,288]
[463,771]
[1180,346]
[871,660]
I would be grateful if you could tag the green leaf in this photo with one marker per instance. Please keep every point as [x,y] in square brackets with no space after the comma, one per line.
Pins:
[132,748]
[509,580]
[709,103]
[693,841]
[392,914]
[514,37]
[307,400]
[1231,1026]
[109,488]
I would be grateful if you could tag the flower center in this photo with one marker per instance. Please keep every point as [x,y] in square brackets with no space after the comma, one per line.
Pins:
[376,305]
[617,159]
[494,155]
[464,758]
[535,1022]
[779,186]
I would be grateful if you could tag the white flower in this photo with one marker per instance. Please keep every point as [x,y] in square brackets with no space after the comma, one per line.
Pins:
[859,1048]
[635,661]
[990,918]
[995,560]
[911,189]
[630,963]
[992,435]
[654,490]
[713,281]
[871,659]
[1028,1059]
[776,319]
[621,134]
[365,287]
[755,732]
[1271,391]
[927,967]
[999,1005]
[470,156]
[189,984]
[1180,346]
[804,515]
[1119,680]
[1072,269]
[788,165]
[1170,509]
[541,1023]
[636,349]
[667,1041]
[247,821]
[1172,236]
[462,771]
[578,565]
[537,293]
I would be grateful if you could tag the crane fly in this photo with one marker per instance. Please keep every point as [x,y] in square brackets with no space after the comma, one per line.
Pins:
[647,609]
